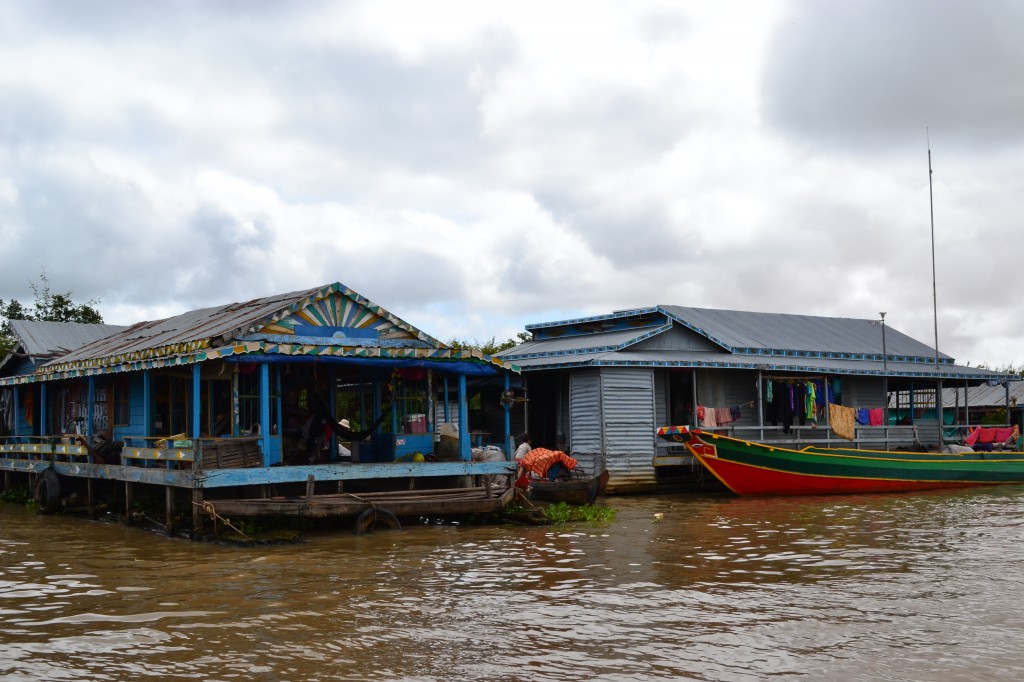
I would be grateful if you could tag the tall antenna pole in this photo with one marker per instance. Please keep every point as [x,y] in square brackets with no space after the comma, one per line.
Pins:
[931,207]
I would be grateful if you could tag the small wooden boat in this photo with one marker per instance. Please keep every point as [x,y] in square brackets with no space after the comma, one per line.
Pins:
[751,468]
[579,489]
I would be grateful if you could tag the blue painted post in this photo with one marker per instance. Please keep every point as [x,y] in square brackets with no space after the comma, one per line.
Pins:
[147,412]
[236,410]
[196,398]
[508,419]
[465,450]
[17,412]
[278,409]
[90,402]
[44,413]
[265,413]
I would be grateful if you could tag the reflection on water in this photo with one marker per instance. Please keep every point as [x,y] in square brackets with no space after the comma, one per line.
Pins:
[897,587]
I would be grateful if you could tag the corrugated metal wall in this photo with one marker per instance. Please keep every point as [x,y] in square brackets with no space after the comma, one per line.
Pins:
[628,404]
[662,414]
[585,413]
[863,392]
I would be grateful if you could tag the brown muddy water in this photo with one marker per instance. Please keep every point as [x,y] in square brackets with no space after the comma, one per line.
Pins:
[896,587]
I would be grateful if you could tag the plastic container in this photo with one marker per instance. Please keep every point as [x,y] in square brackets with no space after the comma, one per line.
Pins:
[415,423]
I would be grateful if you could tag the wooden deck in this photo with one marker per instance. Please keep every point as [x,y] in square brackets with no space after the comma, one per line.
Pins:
[438,502]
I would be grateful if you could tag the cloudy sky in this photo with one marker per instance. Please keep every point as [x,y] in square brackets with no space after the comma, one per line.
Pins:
[474,167]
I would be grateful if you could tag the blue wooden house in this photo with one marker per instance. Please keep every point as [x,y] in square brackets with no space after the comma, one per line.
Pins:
[284,397]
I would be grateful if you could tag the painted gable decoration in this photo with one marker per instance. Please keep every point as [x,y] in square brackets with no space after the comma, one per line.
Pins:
[340,313]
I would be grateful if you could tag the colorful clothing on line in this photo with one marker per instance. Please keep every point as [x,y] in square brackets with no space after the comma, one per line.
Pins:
[875,416]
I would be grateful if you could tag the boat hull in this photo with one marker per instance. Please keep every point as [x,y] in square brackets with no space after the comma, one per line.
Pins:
[749,468]
[572,491]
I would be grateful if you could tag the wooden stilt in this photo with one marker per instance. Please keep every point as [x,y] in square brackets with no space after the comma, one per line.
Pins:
[169,521]
[128,503]
[197,510]
[91,495]
[309,488]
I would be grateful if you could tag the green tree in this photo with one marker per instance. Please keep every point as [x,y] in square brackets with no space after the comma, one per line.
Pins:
[49,306]
[490,346]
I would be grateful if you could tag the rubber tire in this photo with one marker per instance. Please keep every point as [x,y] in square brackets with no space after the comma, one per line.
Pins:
[46,492]
[374,519]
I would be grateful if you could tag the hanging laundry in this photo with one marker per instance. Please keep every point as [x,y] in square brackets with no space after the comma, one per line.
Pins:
[811,402]
[842,420]
[875,416]
[723,415]
[862,416]
[709,420]
[735,412]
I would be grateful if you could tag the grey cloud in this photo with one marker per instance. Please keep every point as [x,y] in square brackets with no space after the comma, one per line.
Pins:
[872,74]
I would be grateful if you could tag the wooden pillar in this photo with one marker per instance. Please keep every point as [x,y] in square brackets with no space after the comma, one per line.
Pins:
[197,509]
[507,404]
[17,412]
[128,490]
[235,409]
[91,497]
[268,457]
[169,515]
[465,449]
[91,414]
[147,405]
[44,413]
[196,400]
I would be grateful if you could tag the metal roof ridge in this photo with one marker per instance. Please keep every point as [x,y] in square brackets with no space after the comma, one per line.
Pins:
[593,318]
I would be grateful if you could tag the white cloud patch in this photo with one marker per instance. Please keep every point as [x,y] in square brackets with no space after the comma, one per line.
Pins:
[475,167]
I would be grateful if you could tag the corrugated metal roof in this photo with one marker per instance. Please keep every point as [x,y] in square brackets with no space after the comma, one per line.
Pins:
[984,395]
[753,332]
[226,322]
[698,359]
[738,330]
[42,338]
[604,341]
[218,326]
[770,341]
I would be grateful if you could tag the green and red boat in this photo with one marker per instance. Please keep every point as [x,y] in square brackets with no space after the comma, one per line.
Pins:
[752,468]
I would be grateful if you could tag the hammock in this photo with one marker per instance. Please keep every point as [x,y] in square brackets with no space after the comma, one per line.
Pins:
[338,429]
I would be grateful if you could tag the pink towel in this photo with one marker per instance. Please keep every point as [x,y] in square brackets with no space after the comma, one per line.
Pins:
[875,416]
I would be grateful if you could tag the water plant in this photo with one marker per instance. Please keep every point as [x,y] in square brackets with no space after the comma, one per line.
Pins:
[16,495]
[571,513]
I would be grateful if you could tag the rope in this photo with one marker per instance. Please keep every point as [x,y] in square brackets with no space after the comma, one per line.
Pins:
[212,511]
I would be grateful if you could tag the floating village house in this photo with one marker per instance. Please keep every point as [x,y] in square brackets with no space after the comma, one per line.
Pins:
[261,407]
[600,386]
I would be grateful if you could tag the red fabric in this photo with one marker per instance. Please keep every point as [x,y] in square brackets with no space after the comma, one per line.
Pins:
[972,438]
[538,460]
[1003,434]
[987,436]
[875,416]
